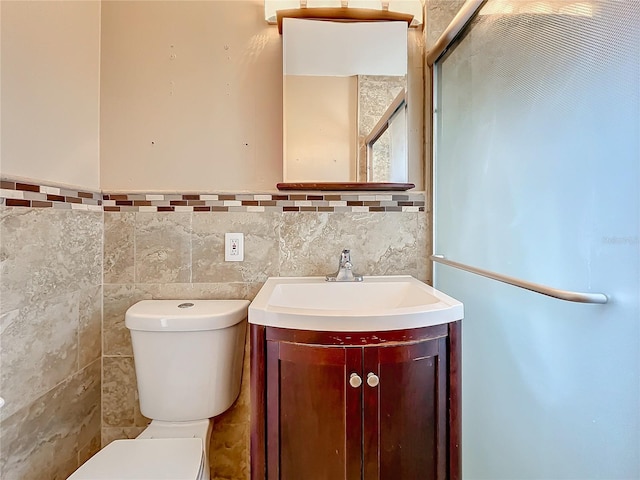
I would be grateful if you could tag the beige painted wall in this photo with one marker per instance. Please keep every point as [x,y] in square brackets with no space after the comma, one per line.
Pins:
[165,90]
[50,91]
[320,118]
[197,87]
[191,97]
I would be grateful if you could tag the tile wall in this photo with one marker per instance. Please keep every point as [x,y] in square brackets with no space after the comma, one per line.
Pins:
[50,340]
[181,255]
[375,94]
[61,265]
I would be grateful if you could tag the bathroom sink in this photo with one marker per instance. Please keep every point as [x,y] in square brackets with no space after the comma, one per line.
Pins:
[376,303]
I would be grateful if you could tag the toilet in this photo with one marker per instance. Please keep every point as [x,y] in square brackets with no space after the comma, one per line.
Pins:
[188,358]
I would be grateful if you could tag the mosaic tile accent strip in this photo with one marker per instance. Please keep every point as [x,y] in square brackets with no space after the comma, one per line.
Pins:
[21,194]
[261,202]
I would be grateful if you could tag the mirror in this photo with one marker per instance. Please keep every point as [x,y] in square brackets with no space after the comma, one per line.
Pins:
[344,101]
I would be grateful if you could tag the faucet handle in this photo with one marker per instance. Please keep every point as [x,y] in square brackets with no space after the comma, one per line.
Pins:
[345,269]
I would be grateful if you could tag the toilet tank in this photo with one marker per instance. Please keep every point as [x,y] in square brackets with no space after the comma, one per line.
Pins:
[188,356]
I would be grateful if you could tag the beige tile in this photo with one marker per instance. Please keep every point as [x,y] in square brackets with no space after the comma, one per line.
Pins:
[119,229]
[439,15]
[261,234]
[90,326]
[8,318]
[109,434]
[42,440]
[36,465]
[117,299]
[380,243]
[375,94]
[66,463]
[120,405]
[423,249]
[88,450]
[163,247]
[47,252]
[206,291]
[38,350]
[229,451]
[251,290]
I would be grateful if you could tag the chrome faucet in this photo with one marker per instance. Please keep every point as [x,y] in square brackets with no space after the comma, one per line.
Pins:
[345,270]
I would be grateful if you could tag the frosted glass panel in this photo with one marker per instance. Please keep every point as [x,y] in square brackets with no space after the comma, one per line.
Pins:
[537,176]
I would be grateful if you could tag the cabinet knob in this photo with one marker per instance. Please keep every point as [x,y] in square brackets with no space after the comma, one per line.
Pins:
[372,379]
[354,380]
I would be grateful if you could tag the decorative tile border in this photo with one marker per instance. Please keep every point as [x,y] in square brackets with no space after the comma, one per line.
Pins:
[20,194]
[247,202]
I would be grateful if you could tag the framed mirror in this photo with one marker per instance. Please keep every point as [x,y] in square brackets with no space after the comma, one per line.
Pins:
[345,104]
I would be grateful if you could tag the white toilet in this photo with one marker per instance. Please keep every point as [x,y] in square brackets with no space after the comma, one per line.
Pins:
[188,357]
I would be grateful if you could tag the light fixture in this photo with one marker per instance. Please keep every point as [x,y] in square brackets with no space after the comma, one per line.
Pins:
[410,11]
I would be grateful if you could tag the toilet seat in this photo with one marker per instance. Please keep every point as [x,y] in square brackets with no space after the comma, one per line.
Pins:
[145,459]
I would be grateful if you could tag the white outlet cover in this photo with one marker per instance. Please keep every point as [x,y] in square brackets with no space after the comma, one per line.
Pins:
[234,247]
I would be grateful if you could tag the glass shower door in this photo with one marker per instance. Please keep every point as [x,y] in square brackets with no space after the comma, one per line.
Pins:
[537,176]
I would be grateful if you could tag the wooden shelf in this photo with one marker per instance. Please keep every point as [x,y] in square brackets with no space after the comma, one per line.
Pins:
[343,15]
[353,186]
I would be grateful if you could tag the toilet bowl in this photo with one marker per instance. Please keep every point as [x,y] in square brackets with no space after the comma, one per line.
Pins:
[188,358]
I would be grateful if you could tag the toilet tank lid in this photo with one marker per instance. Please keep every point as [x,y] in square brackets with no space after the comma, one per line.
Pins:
[185,315]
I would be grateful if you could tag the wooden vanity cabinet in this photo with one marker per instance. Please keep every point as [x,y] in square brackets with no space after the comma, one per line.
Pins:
[355,405]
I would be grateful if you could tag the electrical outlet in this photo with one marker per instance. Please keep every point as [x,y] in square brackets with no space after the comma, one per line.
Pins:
[233,247]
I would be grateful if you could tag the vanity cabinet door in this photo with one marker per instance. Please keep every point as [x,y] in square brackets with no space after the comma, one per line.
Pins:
[314,414]
[405,411]
[396,419]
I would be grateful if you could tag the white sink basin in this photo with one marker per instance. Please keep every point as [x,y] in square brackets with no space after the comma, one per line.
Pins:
[376,303]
